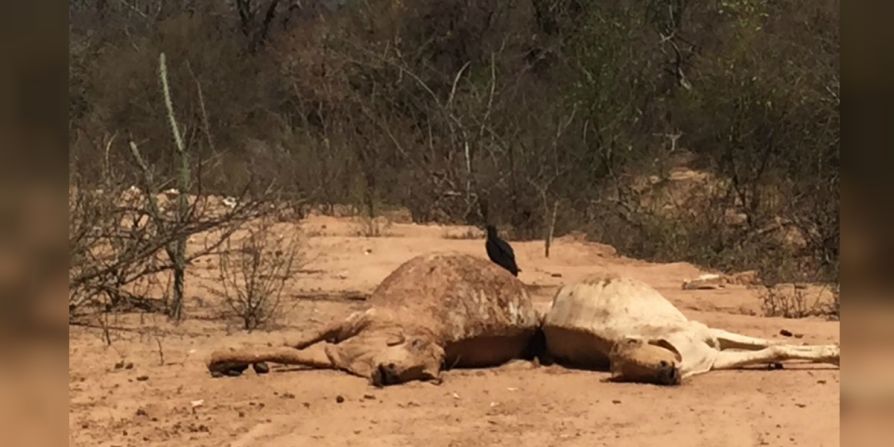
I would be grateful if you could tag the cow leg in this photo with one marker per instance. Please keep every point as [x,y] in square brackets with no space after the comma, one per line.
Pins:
[778,353]
[334,332]
[234,361]
[731,340]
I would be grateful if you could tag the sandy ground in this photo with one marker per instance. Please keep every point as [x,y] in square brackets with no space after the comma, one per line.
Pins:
[151,402]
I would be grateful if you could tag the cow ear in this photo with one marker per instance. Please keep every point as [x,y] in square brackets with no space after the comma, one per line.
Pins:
[395,339]
[663,343]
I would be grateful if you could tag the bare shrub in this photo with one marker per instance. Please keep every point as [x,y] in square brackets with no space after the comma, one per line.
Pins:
[798,302]
[117,234]
[117,244]
[255,270]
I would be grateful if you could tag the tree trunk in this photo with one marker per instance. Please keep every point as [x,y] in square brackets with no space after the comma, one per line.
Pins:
[551,229]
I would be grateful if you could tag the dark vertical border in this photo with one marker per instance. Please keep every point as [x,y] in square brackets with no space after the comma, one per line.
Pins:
[867,322]
[33,221]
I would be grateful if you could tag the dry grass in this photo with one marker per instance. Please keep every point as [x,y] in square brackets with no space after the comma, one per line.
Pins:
[365,226]
[465,233]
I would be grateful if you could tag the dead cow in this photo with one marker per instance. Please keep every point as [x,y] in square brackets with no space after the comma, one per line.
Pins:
[435,311]
[629,327]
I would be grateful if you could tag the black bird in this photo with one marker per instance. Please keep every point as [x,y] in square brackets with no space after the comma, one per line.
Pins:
[500,252]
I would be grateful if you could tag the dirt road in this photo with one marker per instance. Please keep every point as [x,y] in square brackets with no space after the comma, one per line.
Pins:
[150,387]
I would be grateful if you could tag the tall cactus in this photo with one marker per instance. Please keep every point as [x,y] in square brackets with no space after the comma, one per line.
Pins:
[177,249]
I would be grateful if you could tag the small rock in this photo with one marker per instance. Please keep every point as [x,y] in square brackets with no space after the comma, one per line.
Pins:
[800,405]
[455,396]
[119,365]
[785,333]
[339,398]
[369,396]
[821,382]
[141,412]
[236,370]
[306,404]
[511,388]
[242,414]
[555,275]
[128,365]
[197,403]
[616,401]
[288,396]
[142,378]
